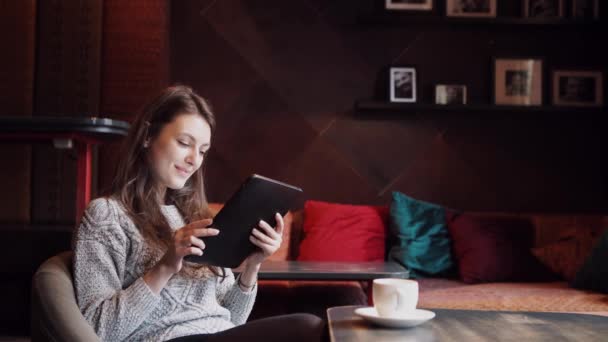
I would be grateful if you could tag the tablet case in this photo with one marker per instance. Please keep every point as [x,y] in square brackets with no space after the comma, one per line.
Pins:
[258,198]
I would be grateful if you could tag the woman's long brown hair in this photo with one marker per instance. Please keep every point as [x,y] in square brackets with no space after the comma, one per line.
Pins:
[134,185]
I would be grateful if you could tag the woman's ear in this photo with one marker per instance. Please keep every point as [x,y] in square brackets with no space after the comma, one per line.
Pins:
[147,140]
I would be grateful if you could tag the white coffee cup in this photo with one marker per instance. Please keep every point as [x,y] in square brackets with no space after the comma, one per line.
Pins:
[395,297]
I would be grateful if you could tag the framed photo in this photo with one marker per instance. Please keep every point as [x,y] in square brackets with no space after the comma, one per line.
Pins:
[578,88]
[450,94]
[543,8]
[585,9]
[470,8]
[416,5]
[402,84]
[518,82]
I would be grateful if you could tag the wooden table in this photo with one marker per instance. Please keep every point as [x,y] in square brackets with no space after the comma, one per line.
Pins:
[322,270]
[80,133]
[473,325]
[329,271]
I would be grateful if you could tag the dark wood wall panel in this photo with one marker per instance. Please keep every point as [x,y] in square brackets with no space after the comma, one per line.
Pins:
[68,48]
[135,65]
[52,65]
[17,34]
[54,68]
[295,68]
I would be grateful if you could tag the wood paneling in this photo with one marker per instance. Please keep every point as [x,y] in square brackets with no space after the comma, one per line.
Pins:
[68,48]
[299,66]
[17,35]
[135,65]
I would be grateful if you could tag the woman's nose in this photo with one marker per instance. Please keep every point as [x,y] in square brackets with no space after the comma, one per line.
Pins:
[190,158]
[194,158]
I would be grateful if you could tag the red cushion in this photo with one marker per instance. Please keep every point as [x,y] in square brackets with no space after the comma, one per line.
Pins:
[495,249]
[341,232]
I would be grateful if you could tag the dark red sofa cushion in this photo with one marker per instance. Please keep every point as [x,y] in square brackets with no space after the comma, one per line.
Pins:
[495,249]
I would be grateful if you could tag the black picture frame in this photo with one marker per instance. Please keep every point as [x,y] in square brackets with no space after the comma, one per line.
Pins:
[589,12]
[540,9]
[577,88]
[403,84]
[459,9]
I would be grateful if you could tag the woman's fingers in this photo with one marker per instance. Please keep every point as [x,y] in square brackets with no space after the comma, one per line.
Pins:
[204,232]
[280,223]
[190,251]
[267,238]
[187,240]
[268,230]
[264,238]
[194,241]
[267,249]
[200,224]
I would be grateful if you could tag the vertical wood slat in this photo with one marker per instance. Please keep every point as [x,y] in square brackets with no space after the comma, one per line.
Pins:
[17,35]
[67,84]
[135,65]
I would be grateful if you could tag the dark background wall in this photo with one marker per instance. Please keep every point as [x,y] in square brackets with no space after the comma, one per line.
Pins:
[283,77]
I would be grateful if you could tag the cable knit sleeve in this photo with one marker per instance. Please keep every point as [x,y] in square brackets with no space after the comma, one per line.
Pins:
[100,247]
[238,302]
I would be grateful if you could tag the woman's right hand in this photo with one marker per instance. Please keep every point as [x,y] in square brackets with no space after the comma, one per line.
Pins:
[187,241]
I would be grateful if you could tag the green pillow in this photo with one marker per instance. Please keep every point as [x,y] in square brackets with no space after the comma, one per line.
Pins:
[423,243]
[593,275]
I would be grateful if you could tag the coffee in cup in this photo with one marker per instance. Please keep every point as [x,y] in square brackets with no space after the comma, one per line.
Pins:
[395,297]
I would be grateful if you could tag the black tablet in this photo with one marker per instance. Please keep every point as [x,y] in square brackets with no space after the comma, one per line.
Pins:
[258,198]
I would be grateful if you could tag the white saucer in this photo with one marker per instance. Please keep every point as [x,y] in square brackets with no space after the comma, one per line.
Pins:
[412,319]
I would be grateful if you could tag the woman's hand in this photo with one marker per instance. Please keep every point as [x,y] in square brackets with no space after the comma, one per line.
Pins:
[187,241]
[268,240]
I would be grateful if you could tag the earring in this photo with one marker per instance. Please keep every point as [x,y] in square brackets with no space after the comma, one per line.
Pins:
[146,144]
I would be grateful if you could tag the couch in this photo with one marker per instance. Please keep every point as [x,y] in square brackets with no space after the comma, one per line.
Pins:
[557,243]
[55,315]
[449,290]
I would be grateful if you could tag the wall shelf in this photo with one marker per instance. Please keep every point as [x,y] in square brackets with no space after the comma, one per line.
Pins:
[404,19]
[371,108]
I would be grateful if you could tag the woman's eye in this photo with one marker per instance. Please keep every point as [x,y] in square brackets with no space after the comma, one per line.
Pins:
[182,143]
[202,153]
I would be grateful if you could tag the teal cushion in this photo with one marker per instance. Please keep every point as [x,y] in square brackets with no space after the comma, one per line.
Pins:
[593,275]
[423,243]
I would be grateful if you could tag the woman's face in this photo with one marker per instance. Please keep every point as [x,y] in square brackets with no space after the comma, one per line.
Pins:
[179,149]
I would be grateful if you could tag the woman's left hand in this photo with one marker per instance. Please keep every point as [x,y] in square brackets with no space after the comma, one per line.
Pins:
[268,240]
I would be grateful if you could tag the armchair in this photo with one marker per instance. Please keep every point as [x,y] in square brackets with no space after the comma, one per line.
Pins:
[55,313]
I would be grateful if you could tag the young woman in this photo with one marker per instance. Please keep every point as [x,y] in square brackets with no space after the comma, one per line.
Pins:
[130,278]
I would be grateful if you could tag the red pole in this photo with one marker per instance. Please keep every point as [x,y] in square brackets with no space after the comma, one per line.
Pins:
[84,178]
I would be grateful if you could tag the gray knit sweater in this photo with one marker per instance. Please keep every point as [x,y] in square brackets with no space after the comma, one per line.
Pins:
[110,258]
